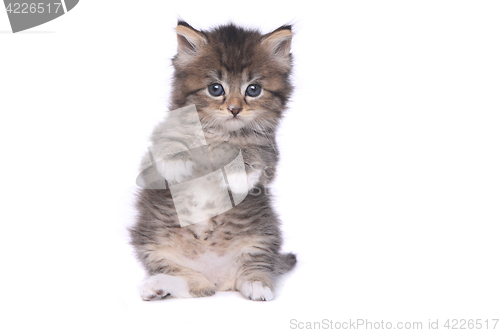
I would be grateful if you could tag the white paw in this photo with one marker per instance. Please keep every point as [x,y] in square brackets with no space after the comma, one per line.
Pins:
[256,292]
[175,171]
[241,182]
[238,182]
[253,178]
[162,285]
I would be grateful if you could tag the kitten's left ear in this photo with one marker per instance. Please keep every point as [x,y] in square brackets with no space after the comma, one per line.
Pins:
[279,43]
[189,40]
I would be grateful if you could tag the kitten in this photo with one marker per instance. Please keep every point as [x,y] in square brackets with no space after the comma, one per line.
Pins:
[237,82]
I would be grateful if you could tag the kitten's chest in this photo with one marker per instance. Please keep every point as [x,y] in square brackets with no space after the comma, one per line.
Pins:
[212,235]
[211,253]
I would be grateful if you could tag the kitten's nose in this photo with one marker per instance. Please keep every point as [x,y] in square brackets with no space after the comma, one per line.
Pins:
[234,109]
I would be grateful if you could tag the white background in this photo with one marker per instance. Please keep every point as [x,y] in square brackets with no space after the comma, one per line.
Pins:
[388,187]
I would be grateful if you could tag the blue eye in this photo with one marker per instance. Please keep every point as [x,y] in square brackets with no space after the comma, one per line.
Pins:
[253,90]
[215,89]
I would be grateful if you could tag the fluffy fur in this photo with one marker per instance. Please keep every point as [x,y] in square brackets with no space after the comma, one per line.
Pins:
[239,249]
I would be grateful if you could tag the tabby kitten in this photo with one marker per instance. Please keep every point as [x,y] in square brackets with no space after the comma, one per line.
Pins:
[238,81]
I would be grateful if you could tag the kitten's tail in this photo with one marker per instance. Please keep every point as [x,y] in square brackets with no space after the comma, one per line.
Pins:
[288,261]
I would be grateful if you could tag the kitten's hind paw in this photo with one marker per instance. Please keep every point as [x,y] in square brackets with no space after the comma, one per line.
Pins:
[201,287]
[255,291]
[161,286]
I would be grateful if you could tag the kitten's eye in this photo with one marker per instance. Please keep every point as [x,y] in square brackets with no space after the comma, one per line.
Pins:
[215,89]
[253,90]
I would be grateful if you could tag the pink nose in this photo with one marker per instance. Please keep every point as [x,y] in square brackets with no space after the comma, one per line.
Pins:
[234,110]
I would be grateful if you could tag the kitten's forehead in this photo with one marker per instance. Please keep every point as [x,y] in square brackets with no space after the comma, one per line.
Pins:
[235,39]
[225,75]
[235,48]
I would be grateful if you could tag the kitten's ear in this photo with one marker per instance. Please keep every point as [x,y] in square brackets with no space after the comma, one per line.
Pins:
[189,40]
[279,43]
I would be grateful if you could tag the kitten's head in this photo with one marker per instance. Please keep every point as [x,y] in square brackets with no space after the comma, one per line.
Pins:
[237,78]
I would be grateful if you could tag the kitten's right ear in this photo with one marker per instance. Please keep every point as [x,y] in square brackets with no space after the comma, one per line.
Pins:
[189,40]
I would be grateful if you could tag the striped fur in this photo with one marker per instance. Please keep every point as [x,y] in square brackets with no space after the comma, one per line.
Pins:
[239,249]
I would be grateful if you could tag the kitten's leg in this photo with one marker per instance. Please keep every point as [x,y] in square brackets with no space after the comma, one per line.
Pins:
[176,281]
[256,281]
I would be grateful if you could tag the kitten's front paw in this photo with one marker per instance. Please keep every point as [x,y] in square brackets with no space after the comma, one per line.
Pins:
[241,182]
[253,178]
[255,291]
[237,181]
[175,171]
[161,285]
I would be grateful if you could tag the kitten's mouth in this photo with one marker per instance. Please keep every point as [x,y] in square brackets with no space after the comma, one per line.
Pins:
[234,119]
[234,123]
